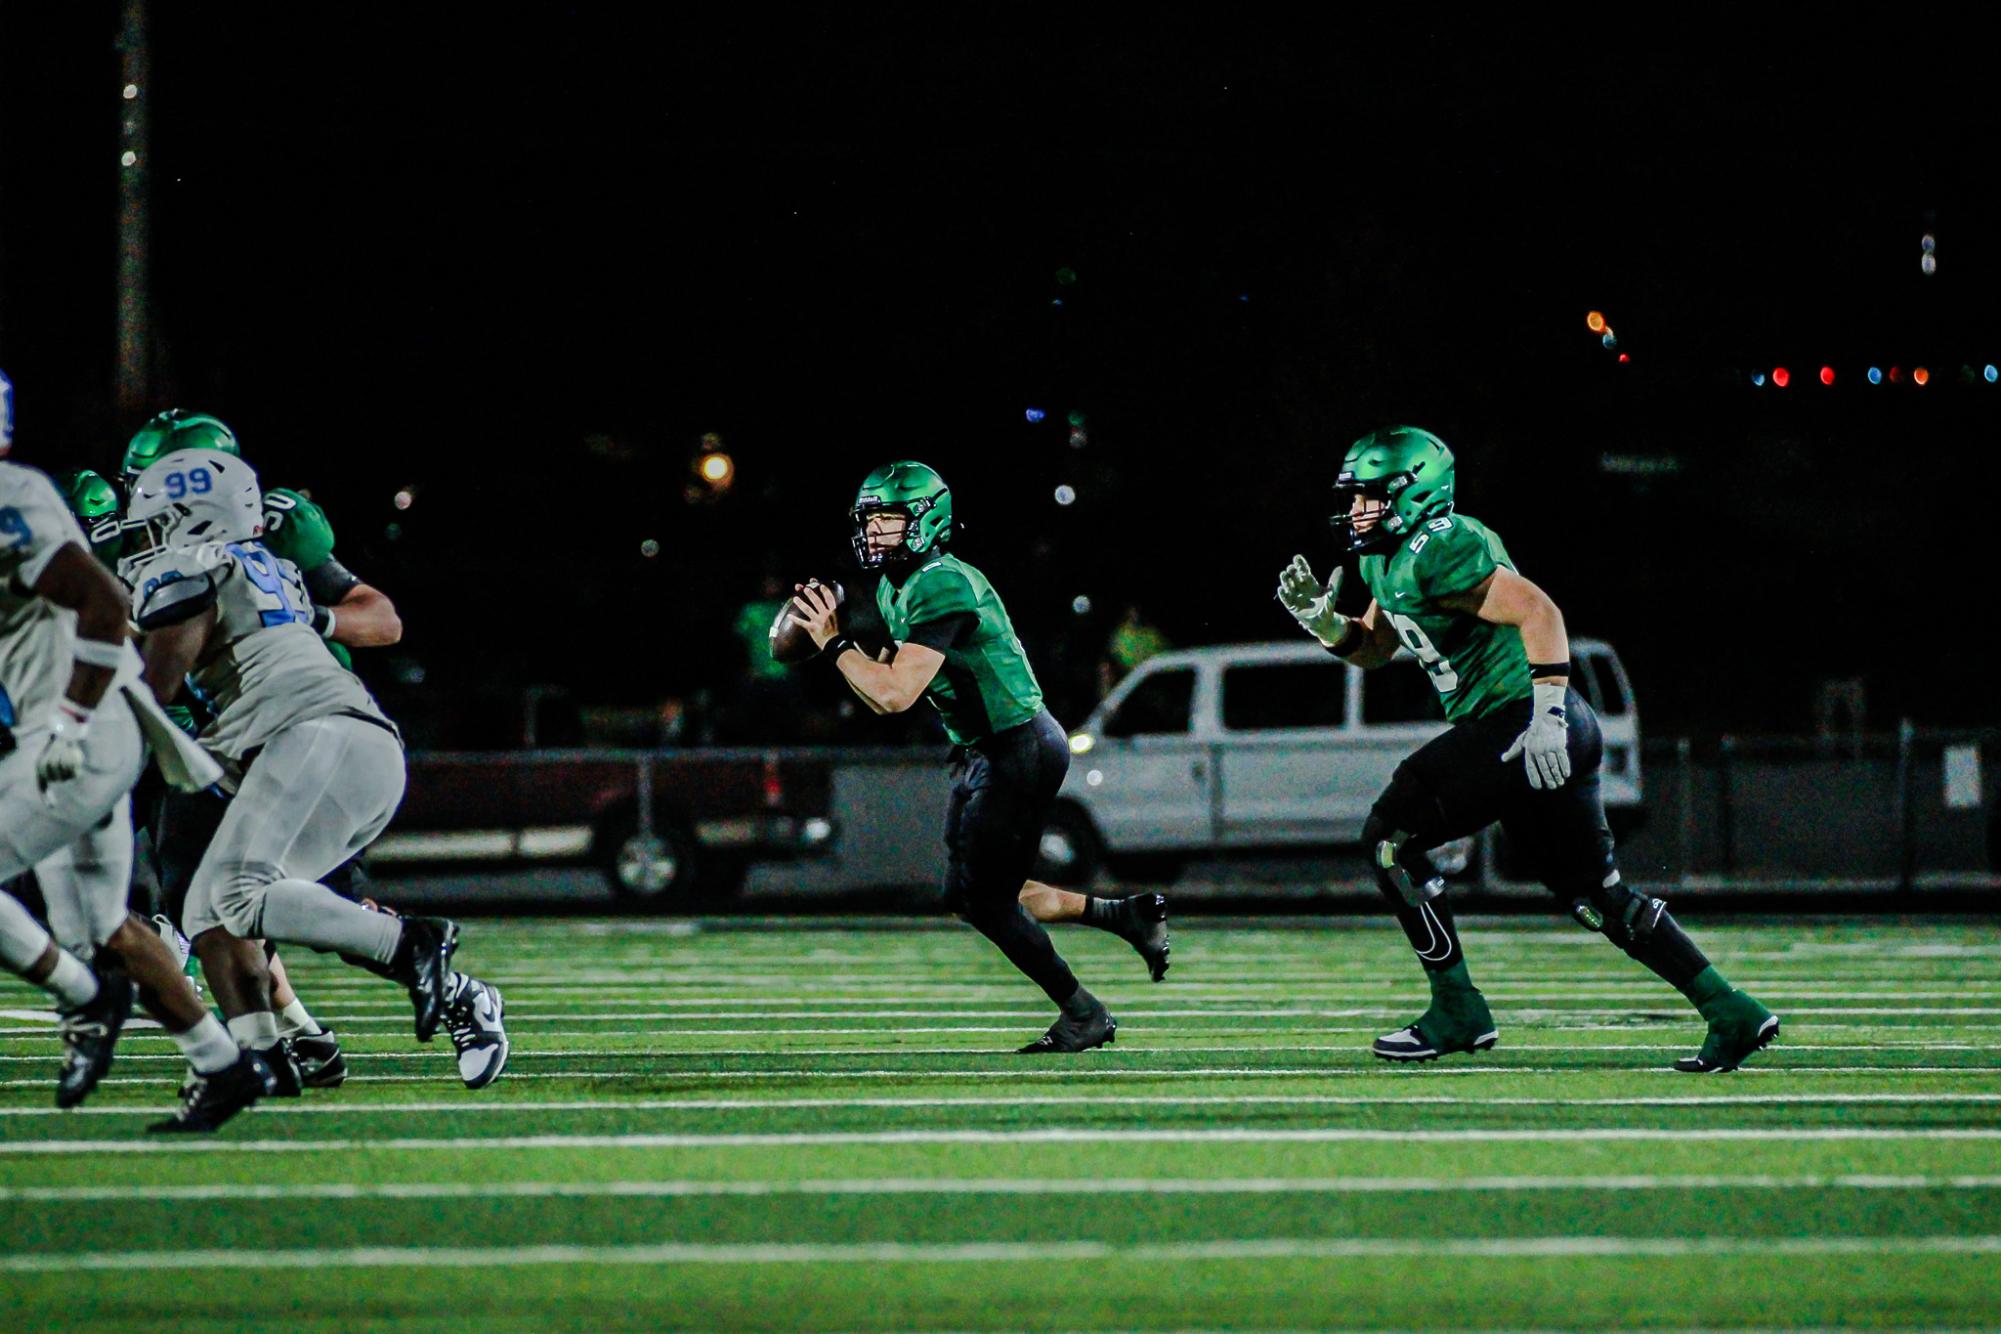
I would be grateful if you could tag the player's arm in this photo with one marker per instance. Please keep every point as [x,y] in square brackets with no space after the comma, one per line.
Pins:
[73,579]
[348,611]
[1505,598]
[1368,640]
[171,652]
[886,687]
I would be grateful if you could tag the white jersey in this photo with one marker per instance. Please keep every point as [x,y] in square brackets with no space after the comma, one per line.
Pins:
[264,667]
[37,638]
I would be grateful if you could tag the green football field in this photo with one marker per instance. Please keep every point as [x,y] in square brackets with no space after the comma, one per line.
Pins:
[785,1125]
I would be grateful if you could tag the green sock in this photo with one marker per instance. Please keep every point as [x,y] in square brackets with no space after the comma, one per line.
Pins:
[1706,989]
[1450,984]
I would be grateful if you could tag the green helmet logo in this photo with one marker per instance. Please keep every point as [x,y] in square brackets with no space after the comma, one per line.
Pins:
[914,491]
[1409,470]
[176,428]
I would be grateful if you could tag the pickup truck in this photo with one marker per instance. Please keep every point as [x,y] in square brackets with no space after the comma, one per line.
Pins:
[668,828]
[1271,747]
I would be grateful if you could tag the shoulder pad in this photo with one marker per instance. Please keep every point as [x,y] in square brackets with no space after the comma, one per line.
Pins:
[296,529]
[170,588]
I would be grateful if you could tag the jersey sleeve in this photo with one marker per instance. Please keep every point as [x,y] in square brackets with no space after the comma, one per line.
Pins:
[171,588]
[1451,558]
[35,523]
[937,592]
[297,529]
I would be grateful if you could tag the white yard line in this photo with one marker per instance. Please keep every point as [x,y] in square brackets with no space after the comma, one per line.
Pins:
[480,1257]
[1040,1135]
[681,1189]
[280,1107]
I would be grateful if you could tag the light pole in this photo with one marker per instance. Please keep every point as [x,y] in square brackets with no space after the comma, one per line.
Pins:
[133,389]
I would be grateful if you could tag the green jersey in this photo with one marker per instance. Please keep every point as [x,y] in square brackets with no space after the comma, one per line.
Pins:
[298,530]
[985,685]
[1477,667]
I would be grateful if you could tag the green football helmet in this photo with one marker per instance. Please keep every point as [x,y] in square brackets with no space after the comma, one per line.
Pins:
[176,428]
[94,501]
[914,491]
[1409,470]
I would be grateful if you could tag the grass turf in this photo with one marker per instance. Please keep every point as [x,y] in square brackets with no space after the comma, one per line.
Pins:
[730,1126]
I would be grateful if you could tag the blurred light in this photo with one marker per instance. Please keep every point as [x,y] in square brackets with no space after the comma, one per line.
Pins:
[1066,495]
[1243,296]
[1921,376]
[1066,276]
[1081,743]
[1076,417]
[816,830]
[1034,415]
[1081,605]
[1781,376]
[1610,340]
[1991,373]
[1827,375]
[1056,301]
[1093,778]
[128,158]
[649,548]
[1875,375]
[404,498]
[1595,322]
[1896,374]
[1624,358]
[1929,243]
[1077,438]
[717,469]
[393,531]
[1758,379]
[131,91]
[1929,264]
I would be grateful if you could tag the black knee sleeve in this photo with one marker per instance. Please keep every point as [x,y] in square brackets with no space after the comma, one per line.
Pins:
[1642,926]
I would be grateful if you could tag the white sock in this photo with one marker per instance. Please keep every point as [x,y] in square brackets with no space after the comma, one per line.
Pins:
[310,914]
[294,1021]
[71,982]
[208,1046]
[257,1031]
[22,940]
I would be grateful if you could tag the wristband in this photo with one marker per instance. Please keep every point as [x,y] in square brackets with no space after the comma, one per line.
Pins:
[1350,640]
[1549,669]
[323,621]
[97,653]
[838,645]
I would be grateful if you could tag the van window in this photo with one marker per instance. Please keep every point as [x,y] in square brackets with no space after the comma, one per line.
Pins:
[1400,693]
[1606,695]
[1157,706]
[1260,697]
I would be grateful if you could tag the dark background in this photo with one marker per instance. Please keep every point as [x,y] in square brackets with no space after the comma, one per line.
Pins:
[522,259]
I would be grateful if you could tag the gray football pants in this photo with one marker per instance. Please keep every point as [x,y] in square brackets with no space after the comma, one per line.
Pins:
[319,792]
[76,837]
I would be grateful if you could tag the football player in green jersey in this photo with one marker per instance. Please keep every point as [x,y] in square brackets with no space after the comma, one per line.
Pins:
[1523,749]
[956,647]
[94,501]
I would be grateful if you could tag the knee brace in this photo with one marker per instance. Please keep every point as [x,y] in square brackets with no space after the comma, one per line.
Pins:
[1403,872]
[1627,918]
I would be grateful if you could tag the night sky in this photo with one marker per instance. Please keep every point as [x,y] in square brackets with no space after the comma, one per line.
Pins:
[522,261]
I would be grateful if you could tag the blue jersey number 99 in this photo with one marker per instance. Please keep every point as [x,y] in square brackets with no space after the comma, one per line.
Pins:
[195,482]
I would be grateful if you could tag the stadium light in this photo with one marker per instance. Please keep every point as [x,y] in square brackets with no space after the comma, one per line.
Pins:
[1827,375]
[1781,376]
[1758,379]
[718,469]
[1921,376]
[1875,375]
[1991,374]
[1034,415]
[1595,322]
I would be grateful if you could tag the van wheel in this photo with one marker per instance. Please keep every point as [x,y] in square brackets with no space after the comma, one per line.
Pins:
[1071,852]
[653,872]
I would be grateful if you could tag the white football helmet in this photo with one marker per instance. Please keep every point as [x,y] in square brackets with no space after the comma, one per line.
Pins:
[195,495]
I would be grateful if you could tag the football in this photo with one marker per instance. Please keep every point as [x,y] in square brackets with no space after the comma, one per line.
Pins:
[790,644]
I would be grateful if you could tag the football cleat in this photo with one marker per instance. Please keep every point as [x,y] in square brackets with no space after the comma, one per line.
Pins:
[319,1059]
[1742,1026]
[1073,1035]
[1457,1021]
[423,963]
[284,1067]
[1145,930]
[474,1021]
[209,1100]
[89,1032]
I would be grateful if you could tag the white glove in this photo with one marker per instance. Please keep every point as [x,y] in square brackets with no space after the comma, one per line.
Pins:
[1310,604]
[1545,745]
[62,755]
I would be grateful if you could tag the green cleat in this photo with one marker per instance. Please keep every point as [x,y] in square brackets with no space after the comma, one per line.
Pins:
[1458,1020]
[1738,1026]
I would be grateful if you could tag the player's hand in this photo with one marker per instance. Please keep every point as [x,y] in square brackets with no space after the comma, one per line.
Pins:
[813,611]
[1310,604]
[62,754]
[1545,744]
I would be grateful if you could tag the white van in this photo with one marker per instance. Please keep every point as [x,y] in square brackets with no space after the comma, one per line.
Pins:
[1272,746]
